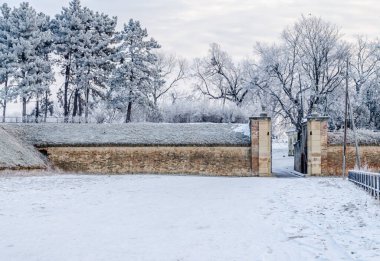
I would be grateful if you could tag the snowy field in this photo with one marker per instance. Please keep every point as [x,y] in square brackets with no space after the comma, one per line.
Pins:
[87,217]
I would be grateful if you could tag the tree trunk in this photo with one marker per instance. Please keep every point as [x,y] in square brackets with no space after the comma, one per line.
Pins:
[86,108]
[46,106]
[23,109]
[37,108]
[65,98]
[129,112]
[80,105]
[5,97]
[75,106]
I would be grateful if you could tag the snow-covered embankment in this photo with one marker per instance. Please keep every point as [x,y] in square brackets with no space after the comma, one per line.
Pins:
[18,155]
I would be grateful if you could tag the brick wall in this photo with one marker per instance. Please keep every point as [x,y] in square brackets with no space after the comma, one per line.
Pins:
[219,161]
[370,157]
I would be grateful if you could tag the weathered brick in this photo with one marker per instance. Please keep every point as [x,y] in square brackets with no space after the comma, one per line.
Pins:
[219,161]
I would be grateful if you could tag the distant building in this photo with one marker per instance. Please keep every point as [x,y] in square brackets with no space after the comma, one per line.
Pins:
[292,138]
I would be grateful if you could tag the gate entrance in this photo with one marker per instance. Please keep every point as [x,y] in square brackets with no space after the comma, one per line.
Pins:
[310,151]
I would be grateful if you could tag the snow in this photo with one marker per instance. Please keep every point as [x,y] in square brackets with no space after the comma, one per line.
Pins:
[130,134]
[243,128]
[15,154]
[280,159]
[145,217]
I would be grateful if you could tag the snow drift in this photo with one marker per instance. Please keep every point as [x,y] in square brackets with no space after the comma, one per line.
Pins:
[15,154]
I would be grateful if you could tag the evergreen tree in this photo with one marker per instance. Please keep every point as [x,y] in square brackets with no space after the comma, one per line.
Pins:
[132,78]
[68,29]
[31,39]
[7,57]
[94,64]
[83,42]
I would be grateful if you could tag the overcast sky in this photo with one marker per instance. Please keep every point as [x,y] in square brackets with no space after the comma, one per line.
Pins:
[187,27]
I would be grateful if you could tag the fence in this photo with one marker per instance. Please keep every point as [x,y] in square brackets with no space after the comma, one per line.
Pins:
[33,119]
[369,181]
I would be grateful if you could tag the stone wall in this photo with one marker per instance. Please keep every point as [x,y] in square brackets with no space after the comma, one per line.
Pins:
[219,161]
[369,155]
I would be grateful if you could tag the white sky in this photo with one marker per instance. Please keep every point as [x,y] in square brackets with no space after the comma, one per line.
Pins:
[187,27]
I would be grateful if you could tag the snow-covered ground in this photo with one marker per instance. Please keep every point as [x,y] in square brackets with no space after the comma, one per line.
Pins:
[134,217]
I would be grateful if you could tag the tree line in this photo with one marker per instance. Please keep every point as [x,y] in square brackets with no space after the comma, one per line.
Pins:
[116,76]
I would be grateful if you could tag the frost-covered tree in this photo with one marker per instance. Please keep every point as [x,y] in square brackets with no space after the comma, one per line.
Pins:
[169,71]
[371,98]
[7,57]
[93,64]
[305,69]
[364,68]
[83,41]
[68,29]
[132,79]
[364,62]
[45,73]
[277,76]
[31,40]
[218,77]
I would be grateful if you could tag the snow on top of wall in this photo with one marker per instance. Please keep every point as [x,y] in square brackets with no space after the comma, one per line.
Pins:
[364,137]
[244,129]
[14,154]
[131,134]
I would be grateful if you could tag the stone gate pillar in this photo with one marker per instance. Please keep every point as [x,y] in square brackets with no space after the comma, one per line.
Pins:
[261,145]
[316,145]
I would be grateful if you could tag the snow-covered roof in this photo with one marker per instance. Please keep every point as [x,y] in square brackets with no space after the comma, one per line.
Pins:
[364,137]
[144,134]
[15,154]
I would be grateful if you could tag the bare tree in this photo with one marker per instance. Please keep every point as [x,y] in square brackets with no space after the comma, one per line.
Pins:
[322,56]
[170,71]
[364,71]
[364,62]
[217,77]
[277,75]
[304,69]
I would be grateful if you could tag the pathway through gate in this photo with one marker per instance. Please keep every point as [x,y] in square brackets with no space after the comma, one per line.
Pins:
[282,163]
[268,159]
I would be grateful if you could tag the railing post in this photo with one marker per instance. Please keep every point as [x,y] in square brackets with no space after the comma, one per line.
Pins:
[369,181]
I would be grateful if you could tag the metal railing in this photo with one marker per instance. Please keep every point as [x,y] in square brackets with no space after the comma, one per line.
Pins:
[369,181]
